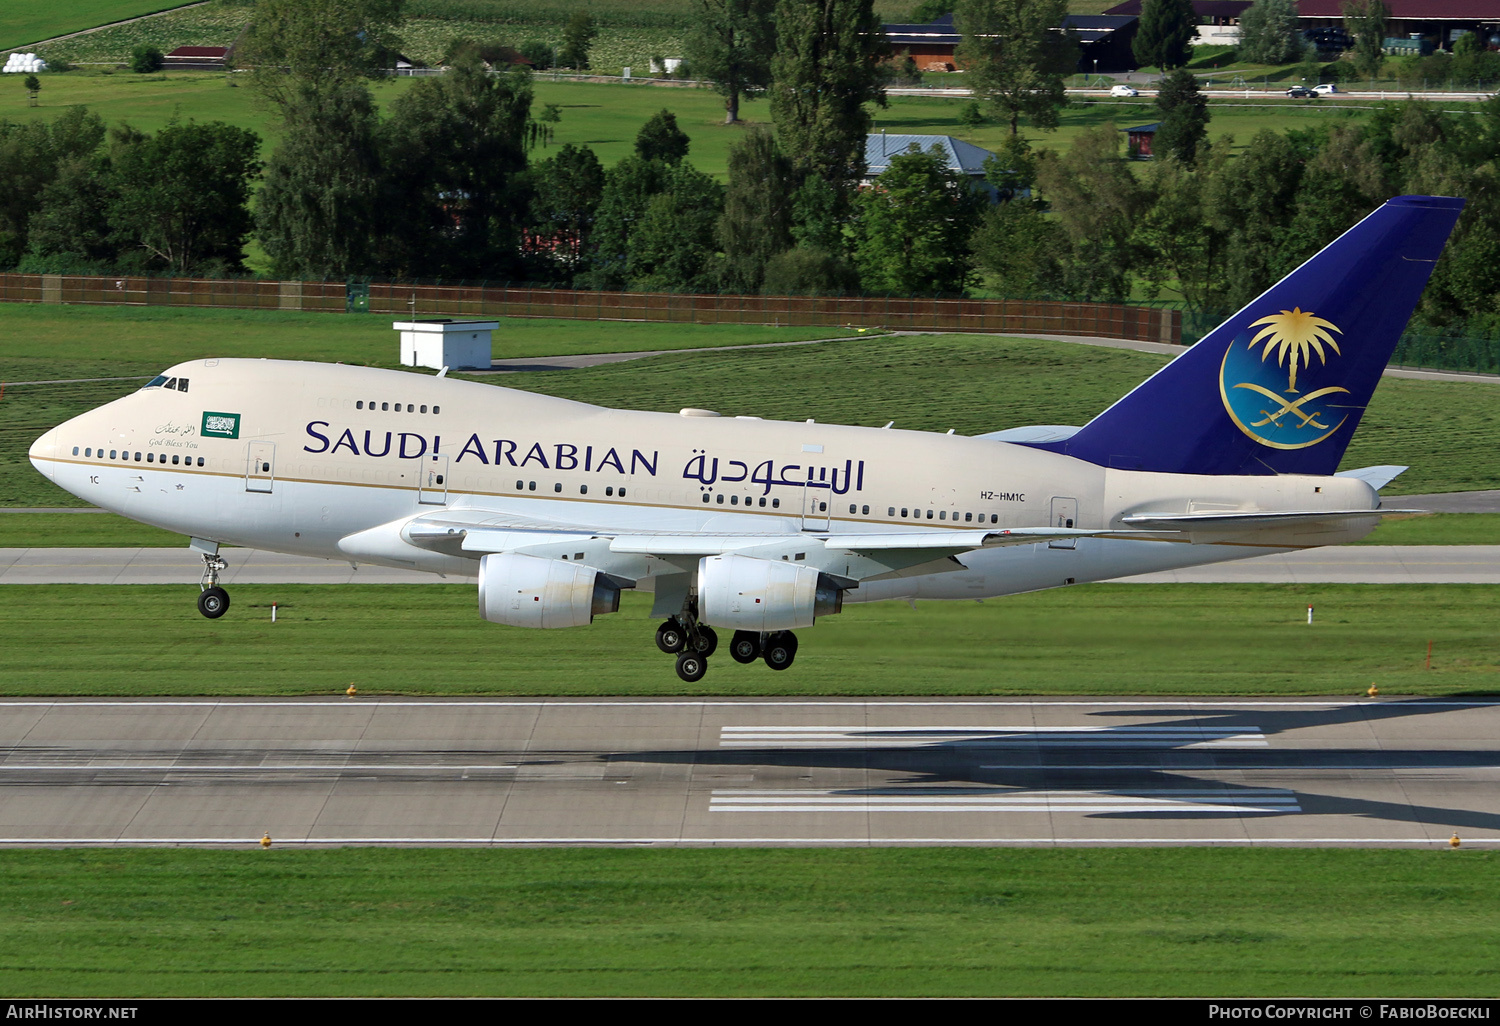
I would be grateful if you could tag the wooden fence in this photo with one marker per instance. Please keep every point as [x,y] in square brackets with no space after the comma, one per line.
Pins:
[1106,320]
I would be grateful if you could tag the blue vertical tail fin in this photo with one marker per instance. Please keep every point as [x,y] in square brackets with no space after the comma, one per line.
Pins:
[1280,387]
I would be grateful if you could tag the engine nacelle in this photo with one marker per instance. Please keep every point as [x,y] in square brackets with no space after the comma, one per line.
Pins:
[752,594]
[529,591]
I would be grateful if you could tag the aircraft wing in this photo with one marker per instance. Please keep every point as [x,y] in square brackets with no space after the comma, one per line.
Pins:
[476,533]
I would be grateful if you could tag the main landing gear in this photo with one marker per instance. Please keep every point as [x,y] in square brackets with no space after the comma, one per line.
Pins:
[213,601]
[693,642]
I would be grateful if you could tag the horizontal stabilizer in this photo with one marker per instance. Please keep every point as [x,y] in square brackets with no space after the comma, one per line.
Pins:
[1376,477]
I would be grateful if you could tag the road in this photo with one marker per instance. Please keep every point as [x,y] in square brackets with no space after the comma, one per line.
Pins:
[749,772]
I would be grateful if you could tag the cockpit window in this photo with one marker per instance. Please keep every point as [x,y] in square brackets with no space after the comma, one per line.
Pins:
[162,381]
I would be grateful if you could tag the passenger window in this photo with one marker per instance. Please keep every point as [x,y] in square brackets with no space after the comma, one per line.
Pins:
[852,507]
[943,515]
[174,461]
[200,461]
[611,490]
[706,497]
[864,511]
[583,489]
[557,487]
[994,518]
[929,514]
[720,500]
[734,500]
[149,456]
[424,409]
[75,450]
[520,485]
[968,517]
[437,409]
[359,405]
[112,454]
[385,406]
[409,408]
[531,486]
[903,511]
[762,502]
[775,503]
[622,493]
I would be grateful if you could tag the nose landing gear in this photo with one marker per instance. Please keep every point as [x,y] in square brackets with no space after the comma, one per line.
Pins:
[213,601]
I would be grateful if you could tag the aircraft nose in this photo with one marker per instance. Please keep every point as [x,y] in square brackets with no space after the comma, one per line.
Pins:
[43,451]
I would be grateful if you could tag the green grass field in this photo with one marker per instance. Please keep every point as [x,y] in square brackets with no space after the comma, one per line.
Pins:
[1446,431]
[743,923]
[1105,639]
[22,23]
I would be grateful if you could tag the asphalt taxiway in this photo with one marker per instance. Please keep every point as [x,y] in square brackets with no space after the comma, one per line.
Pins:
[1074,772]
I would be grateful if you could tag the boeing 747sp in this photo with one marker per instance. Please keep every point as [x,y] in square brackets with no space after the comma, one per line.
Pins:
[761,527]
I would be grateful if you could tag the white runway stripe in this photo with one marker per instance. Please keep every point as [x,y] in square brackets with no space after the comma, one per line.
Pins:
[995,737]
[1174,800]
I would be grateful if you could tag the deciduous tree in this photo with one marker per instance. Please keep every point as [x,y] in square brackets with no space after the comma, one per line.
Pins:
[1269,32]
[757,221]
[182,195]
[825,73]
[1016,56]
[731,46]
[914,226]
[1366,21]
[578,39]
[661,139]
[1184,117]
[296,46]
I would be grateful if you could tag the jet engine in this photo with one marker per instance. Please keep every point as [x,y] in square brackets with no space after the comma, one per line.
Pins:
[751,594]
[530,591]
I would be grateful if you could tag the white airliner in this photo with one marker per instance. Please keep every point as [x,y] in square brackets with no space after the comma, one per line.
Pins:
[763,526]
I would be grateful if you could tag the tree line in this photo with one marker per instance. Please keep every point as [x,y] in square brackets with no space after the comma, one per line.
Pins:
[456,179]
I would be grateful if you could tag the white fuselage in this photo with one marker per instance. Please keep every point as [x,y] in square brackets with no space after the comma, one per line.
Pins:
[314,459]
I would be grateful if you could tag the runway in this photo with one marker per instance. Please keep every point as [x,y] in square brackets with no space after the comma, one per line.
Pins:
[1349,564]
[1024,772]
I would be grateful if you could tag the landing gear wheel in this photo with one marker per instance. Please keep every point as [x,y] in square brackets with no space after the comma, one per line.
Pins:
[745,646]
[780,650]
[671,638]
[705,642]
[691,666]
[213,602]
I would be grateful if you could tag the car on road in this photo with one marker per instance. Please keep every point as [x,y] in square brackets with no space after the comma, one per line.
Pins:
[1301,93]
[1124,90]
[1326,89]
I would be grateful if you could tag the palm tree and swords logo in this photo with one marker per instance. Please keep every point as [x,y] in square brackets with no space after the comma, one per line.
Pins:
[1283,418]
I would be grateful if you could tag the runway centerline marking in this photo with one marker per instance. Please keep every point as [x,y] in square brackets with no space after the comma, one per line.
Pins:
[1141,736]
[1206,801]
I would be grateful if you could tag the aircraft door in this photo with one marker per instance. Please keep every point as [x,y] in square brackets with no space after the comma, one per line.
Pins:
[260,466]
[1064,514]
[815,511]
[432,482]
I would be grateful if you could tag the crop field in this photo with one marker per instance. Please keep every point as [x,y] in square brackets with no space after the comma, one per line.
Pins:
[1100,639]
[22,23]
[744,923]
